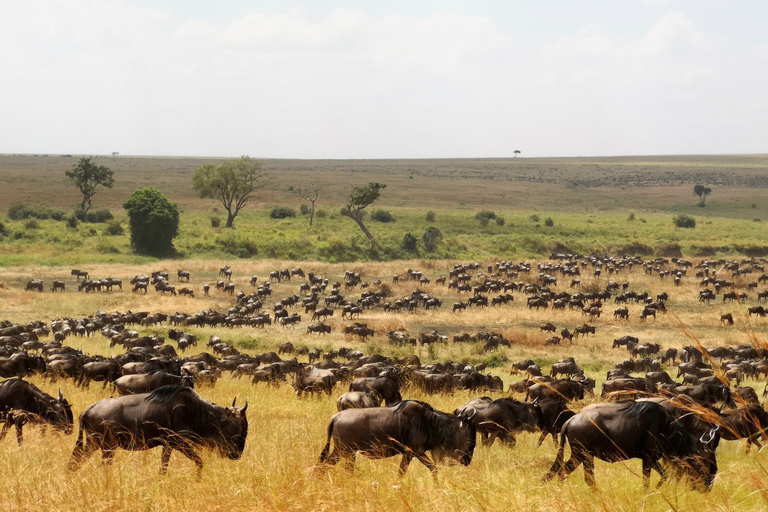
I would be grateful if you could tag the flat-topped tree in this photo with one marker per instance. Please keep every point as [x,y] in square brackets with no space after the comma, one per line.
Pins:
[359,199]
[702,192]
[233,183]
[86,176]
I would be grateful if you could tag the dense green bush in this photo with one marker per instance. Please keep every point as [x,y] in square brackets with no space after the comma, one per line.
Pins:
[31,224]
[282,212]
[93,217]
[304,209]
[431,238]
[431,216]
[21,211]
[534,218]
[382,216]
[549,222]
[684,221]
[409,242]
[154,222]
[72,221]
[485,214]
[215,222]
[500,221]
[321,214]
[114,228]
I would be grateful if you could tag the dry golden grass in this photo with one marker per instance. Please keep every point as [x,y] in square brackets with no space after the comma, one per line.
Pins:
[277,471]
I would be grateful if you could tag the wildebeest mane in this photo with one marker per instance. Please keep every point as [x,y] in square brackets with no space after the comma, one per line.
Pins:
[165,394]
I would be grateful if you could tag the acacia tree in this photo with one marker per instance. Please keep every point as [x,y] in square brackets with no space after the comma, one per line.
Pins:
[702,192]
[154,222]
[86,176]
[233,183]
[359,199]
[309,194]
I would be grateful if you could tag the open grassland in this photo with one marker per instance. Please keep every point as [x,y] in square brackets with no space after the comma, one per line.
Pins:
[589,201]
[277,471]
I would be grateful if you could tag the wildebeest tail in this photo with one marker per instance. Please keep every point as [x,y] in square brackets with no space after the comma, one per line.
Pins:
[327,448]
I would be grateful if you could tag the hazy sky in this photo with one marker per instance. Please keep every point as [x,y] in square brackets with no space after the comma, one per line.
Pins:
[384,79]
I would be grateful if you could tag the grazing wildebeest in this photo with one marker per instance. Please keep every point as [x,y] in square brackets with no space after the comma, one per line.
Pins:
[635,430]
[22,402]
[410,429]
[173,417]
[385,386]
[554,414]
[358,400]
[563,390]
[501,418]
[146,382]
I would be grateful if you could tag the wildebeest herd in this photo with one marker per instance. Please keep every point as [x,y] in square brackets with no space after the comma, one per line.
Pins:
[669,425]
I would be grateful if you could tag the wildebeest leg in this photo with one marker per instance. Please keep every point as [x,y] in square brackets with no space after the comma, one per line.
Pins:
[189,452]
[107,456]
[589,469]
[81,452]
[655,464]
[407,456]
[165,458]
[542,437]
[424,460]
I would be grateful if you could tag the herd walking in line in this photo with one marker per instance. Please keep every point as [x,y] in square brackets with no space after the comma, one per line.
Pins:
[673,427]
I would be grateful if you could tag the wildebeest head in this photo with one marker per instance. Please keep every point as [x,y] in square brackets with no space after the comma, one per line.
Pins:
[460,438]
[698,460]
[57,413]
[234,430]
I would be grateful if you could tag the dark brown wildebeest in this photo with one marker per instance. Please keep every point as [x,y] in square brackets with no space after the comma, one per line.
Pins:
[669,356]
[554,415]
[385,386]
[748,423]
[319,328]
[322,313]
[58,285]
[22,402]
[146,382]
[635,430]
[502,418]
[173,417]
[548,327]
[566,367]
[726,318]
[100,371]
[34,285]
[410,429]
[358,400]
[624,388]
[563,390]
[286,348]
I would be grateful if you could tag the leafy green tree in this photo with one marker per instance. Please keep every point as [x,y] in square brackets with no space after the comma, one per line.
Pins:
[154,222]
[233,183]
[359,199]
[702,192]
[431,237]
[86,176]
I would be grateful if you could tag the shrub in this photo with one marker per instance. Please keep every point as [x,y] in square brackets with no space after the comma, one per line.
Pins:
[684,221]
[31,224]
[321,214]
[756,219]
[631,216]
[98,216]
[19,211]
[282,212]
[3,229]
[485,214]
[72,221]
[549,222]
[500,221]
[154,222]
[534,218]
[431,238]
[409,242]
[484,221]
[304,209]
[431,216]
[382,216]
[114,228]
[237,246]
[215,222]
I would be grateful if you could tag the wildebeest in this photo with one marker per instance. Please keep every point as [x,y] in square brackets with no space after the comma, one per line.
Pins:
[358,400]
[22,402]
[410,429]
[501,418]
[634,430]
[563,389]
[173,417]
[748,423]
[34,284]
[385,386]
[146,382]
[554,414]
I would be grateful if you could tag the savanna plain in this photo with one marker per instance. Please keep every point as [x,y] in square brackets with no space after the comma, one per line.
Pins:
[590,206]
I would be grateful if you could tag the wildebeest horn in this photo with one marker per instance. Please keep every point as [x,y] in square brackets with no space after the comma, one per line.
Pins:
[61,395]
[233,401]
[245,408]
[473,414]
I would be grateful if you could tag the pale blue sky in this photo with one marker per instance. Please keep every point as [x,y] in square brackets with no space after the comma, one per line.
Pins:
[373,79]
